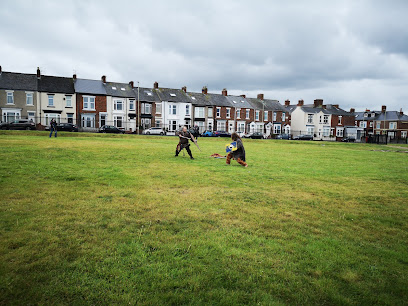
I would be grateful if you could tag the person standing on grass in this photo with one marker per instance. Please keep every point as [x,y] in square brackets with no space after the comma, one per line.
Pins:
[239,153]
[53,127]
[184,136]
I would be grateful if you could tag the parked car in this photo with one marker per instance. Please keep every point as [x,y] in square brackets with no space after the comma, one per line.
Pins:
[208,133]
[303,137]
[283,136]
[69,127]
[20,124]
[154,131]
[222,134]
[256,135]
[348,139]
[110,129]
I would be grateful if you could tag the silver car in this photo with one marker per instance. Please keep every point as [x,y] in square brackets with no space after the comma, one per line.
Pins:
[154,131]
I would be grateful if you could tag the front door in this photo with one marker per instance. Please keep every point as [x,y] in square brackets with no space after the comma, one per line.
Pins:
[231,127]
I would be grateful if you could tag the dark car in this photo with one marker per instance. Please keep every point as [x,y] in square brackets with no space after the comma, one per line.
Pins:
[256,135]
[69,127]
[221,134]
[110,129]
[21,124]
[283,136]
[303,137]
[348,139]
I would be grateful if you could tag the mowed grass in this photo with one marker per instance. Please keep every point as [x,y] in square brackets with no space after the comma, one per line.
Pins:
[100,219]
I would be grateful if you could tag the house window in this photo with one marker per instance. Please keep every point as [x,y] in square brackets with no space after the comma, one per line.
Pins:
[118,121]
[172,125]
[310,130]
[325,119]
[363,124]
[10,116]
[274,116]
[221,126]
[199,112]
[309,118]
[378,125]
[31,116]
[102,120]
[89,103]
[187,110]
[283,116]
[158,108]
[146,108]
[158,123]
[70,118]
[393,125]
[29,98]
[172,110]
[228,113]
[340,119]
[247,114]
[218,112]
[49,117]
[339,132]
[257,115]
[371,124]
[50,100]
[210,112]
[88,120]
[131,104]
[238,114]
[10,97]
[265,115]
[241,127]
[276,128]
[326,132]
[118,105]
[365,115]
[403,134]
[68,101]
[320,119]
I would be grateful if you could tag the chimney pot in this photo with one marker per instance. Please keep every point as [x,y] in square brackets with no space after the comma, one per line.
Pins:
[0,70]
[318,103]
[74,76]
[367,110]
[224,92]
[300,103]
[383,108]
[352,110]
[204,90]
[38,73]
[401,112]
[156,85]
[184,88]
[336,105]
[244,96]
[103,78]
[132,84]
[260,96]
[287,102]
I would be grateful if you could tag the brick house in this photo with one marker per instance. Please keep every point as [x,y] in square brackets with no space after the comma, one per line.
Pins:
[365,120]
[149,107]
[224,117]
[391,123]
[90,104]
[203,109]
[243,113]
[18,96]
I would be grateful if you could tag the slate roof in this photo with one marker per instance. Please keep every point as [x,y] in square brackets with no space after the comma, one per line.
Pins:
[360,115]
[329,110]
[18,81]
[239,102]
[55,84]
[119,90]
[94,87]
[200,99]
[220,100]
[314,110]
[274,105]
[290,108]
[146,94]
[172,95]
[391,116]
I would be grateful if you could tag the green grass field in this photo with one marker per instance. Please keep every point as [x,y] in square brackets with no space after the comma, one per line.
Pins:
[100,219]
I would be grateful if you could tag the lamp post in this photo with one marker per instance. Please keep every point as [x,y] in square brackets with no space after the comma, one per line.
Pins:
[138,108]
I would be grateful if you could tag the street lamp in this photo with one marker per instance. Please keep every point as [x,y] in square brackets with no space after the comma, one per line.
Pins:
[138,109]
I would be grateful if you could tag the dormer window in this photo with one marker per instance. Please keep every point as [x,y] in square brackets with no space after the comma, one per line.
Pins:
[193,98]
[149,94]
[365,115]
[113,87]
[234,101]
[122,89]
[172,94]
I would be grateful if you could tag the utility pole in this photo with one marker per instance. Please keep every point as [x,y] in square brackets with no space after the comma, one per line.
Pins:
[138,108]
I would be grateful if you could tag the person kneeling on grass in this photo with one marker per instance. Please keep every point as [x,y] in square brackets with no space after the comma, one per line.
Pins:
[184,136]
[239,153]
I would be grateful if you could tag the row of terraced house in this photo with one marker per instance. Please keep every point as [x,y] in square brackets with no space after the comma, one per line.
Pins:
[91,104]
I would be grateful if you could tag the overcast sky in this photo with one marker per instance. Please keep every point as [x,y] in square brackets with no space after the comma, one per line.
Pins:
[353,53]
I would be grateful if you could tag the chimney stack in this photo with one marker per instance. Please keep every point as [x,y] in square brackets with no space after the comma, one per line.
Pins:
[244,96]
[38,73]
[132,84]
[224,92]
[401,112]
[260,96]
[184,88]
[156,85]
[300,103]
[352,110]
[0,70]
[383,108]
[74,76]
[103,78]
[335,105]
[287,102]
[318,103]
[204,90]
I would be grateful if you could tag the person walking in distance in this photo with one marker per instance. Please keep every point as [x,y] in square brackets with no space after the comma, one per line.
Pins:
[53,127]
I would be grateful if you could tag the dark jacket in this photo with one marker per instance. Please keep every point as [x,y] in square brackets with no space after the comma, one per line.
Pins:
[184,141]
[240,151]
[53,124]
